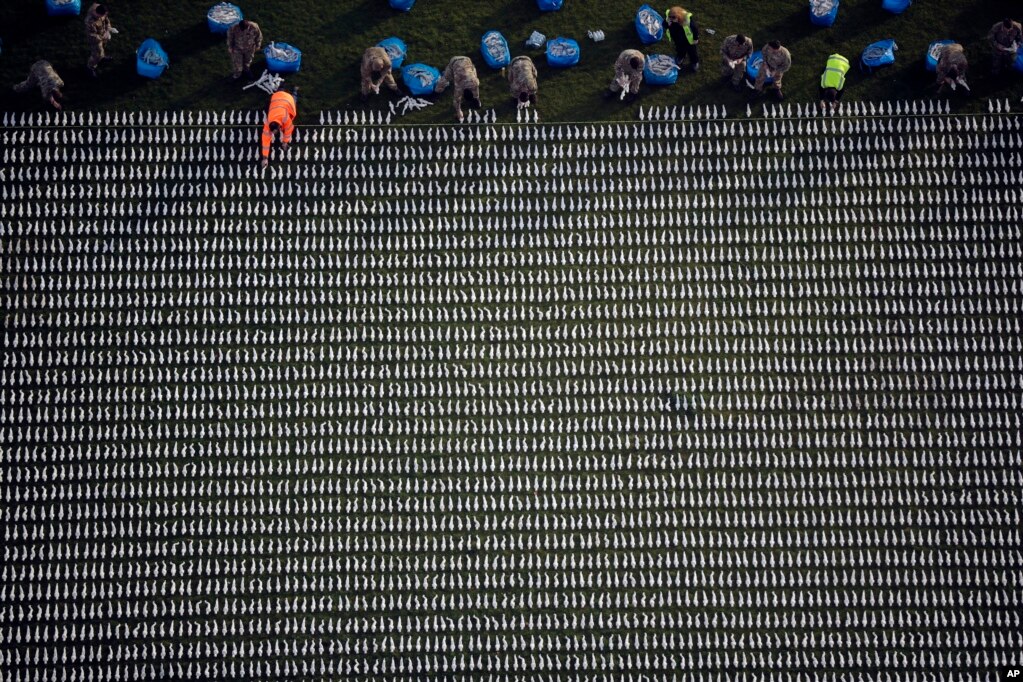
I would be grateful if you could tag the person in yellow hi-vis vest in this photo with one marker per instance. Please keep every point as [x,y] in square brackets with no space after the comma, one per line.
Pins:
[683,31]
[833,81]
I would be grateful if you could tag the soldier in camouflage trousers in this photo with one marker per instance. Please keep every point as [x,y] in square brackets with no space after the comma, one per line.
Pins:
[376,71]
[628,73]
[461,72]
[1006,37]
[243,39]
[522,79]
[97,33]
[777,61]
[952,67]
[734,53]
[42,76]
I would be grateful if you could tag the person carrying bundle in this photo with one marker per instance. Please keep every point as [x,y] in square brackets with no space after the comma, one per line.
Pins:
[777,61]
[243,39]
[683,31]
[833,81]
[376,71]
[734,53]
[280,119]
[97,34]
[522,80]
[1006,37]
[952,67]
[42,75]
[628,75]
[461,72]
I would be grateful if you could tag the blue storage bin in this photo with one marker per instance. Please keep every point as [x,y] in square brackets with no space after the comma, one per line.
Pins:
[402,5]
[753,67]
[63,9]
[420,79]
[278,65]
[826,19]
[1018,64]
[934,53]
[549,5]
[649,25]
[495,50]
[881,53]
[396,50]
[896,6]
[562,52]
[220,24]
[144,68]
[660,69]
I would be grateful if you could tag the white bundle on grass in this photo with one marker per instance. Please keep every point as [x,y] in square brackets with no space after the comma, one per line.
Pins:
[268,83]
[224,13]
[536,39]
[282,54]
[424,76]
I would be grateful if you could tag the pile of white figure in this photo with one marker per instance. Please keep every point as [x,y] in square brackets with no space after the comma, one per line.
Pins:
[665,398]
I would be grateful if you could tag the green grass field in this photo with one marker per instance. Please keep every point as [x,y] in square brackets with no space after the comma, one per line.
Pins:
[334,34]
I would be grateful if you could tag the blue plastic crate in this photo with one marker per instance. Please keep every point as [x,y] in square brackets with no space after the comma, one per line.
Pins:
[649,25]
[144,68]
[666,73]
[753,67]
[881,53]
[278,65]
[396,50]
[420,79]
[496,54]
[64,9]
[562,52]
[219,27]
[827,19]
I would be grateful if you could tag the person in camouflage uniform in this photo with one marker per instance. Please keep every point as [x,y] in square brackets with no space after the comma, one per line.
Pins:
[1006,37]
[628,73]
[42,75]
[952,67]
[777,61]
[97,33]
[461,72]
[734,53]
[522,79]
[243,39]
[376,71]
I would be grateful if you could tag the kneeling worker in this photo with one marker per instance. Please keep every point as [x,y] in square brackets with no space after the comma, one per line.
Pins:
[952,67]
[628,74]
[280,118]
[522,80]
[833,81]
[41,75]
[375,71]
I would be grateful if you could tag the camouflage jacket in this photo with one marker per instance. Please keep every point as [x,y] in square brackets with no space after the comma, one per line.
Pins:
[733,50]
[244,38]
[41,75]
[778,61]
[375,59]
[952,56]
[522,76]
[96,27]
[460,72]
[624,69]
[1004,38]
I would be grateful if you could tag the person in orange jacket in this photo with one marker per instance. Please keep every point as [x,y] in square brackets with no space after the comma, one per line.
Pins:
[280,118]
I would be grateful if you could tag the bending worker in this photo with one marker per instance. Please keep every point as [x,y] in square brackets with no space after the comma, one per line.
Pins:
[628,75]
[280,119]
[375,71]
[41,75]
[462,74]
[952,67]
[833,81]
[522,79]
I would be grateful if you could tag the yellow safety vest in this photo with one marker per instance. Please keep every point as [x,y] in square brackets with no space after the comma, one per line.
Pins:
[685,26]
[834,73]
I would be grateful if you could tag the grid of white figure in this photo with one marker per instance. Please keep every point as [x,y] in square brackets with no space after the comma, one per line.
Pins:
[674,397]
